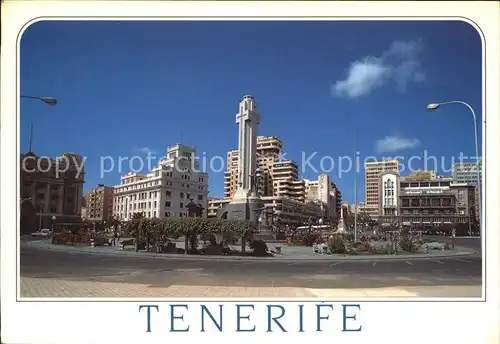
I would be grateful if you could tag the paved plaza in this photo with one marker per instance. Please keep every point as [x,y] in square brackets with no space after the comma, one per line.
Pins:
[58,273]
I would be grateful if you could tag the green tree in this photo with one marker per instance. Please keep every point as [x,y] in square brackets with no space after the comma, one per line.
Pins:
[135,227]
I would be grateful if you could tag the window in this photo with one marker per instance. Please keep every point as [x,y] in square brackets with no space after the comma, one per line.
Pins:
[182,205]
[168,193]
[182,195]
[188,196]
[167,204]
[200,197]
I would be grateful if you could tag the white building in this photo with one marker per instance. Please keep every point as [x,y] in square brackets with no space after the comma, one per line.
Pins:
[166,190]
[373,171]
[389,193]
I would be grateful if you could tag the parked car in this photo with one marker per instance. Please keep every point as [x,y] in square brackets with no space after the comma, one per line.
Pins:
[42,233]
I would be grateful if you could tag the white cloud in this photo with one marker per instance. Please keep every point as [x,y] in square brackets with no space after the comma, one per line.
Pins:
[395,144]
[146,150]
[399,63]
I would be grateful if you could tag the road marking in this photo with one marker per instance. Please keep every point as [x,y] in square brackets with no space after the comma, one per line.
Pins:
[407,262]
[463,260]
[334,264]
[439,262]
[375,262]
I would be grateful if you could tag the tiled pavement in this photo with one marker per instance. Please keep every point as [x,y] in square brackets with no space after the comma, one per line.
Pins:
[50,287]
[59,288]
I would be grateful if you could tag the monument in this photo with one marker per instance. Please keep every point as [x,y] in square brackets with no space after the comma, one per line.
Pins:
[341,224]
[246,203]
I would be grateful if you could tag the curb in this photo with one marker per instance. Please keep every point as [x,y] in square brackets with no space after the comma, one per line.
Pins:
[236,258]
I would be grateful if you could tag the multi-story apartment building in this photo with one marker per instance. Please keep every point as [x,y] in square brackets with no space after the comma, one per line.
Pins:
[50,187]
[99,203]
[166,190]
[231,174]
[291,212]
[269,166]
[326,192]
[467,173]
[267,151]
[214,204]
[373,171]
[426,201]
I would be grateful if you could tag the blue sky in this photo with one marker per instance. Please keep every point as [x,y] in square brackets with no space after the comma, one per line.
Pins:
[125,88]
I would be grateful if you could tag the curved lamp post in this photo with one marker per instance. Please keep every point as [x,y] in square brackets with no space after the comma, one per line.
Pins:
[435,106]
[47,100]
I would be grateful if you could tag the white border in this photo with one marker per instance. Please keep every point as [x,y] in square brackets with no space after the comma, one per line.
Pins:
[16,13]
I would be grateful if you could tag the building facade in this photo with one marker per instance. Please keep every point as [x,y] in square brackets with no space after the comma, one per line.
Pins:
[50,187]
[467,173]
[165,191]
[325,191]
[99,203]
[214,204]
[373,171]
[231,174]
[267,152]
[424,201]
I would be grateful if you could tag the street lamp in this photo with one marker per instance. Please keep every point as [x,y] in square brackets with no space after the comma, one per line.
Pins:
[435,106]
[47,100]
[53,223]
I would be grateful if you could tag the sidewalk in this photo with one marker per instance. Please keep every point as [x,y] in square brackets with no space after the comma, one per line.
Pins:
[60,288]
[290,253]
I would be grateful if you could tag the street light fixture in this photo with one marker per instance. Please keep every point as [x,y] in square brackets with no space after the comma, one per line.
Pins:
[435,106]
[47,100]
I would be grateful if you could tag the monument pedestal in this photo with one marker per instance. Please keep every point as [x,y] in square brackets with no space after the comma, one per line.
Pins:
[244,207]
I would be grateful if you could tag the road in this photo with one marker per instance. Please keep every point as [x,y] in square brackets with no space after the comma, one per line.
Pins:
[472,243]
[45,266]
